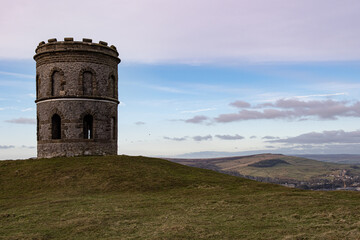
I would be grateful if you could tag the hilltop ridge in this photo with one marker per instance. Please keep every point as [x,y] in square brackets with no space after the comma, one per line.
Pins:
[122,197]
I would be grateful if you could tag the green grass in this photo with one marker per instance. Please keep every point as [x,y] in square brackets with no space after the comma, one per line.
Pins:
[121,197]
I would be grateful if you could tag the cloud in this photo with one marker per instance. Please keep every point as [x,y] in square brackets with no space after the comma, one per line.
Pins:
[264,105]
[325,137]
[321,95]
[199,31]
[270,137]
[29,147]
[205,138]
[253,114]
[253,137]
[199,110]
[230,137]
[176,139]
[240,104]
[6,146]
[22,121]
[202,138]
[296,109]
[197,119]
[346,148]
[159,87]
[27,109]
[166,89]
[140,123]
[19,75]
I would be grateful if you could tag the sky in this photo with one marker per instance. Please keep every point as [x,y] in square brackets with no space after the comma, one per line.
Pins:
[200,78]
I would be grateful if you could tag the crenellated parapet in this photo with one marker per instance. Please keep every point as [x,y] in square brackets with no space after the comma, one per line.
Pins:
[54,45]
[75,48]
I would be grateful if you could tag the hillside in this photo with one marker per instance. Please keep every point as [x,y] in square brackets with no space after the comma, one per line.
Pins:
[122,197]
[281,168]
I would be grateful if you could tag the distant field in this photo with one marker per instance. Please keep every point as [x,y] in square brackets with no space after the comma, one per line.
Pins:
[121,197]
[289,167]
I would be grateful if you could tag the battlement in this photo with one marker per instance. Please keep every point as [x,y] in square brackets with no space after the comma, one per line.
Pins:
[68,44]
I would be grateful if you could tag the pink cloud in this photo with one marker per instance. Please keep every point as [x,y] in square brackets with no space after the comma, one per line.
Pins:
[296,109]
[197,119]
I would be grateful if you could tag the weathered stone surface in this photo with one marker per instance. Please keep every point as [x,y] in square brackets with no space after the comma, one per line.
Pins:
[87,40]
[75,80]
[103,43]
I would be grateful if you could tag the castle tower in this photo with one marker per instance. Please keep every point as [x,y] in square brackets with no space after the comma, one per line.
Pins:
[76,98]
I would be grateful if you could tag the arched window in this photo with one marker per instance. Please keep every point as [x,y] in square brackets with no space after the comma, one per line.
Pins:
[88,127]
[37,85]
[87,83]
[112,86]
[56,83]
[56,127]
[37,128]
[113,128]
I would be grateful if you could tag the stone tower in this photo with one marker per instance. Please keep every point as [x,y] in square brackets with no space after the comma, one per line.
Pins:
[76,98]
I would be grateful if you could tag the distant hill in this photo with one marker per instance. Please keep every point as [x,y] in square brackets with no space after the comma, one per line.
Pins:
[268,163]
[122,197]
[282,169]
[334,158]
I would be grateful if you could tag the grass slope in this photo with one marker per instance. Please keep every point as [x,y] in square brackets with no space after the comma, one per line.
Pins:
[121,197]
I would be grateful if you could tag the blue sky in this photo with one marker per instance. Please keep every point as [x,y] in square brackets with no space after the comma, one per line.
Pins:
[210,77]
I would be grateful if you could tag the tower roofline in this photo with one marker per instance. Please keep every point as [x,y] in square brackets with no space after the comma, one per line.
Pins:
[69,45]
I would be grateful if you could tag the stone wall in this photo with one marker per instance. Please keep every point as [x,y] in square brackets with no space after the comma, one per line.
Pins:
[72,73]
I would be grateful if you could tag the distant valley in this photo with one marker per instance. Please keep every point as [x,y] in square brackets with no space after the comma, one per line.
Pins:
[292,171]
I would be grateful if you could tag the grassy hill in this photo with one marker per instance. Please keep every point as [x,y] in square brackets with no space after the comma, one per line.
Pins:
[121,197]
[274,166]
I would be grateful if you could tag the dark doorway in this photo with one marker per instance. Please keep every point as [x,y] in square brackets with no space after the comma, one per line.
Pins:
[112,83]
[56,127]
[113,128]
[88,127]
[37,128]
